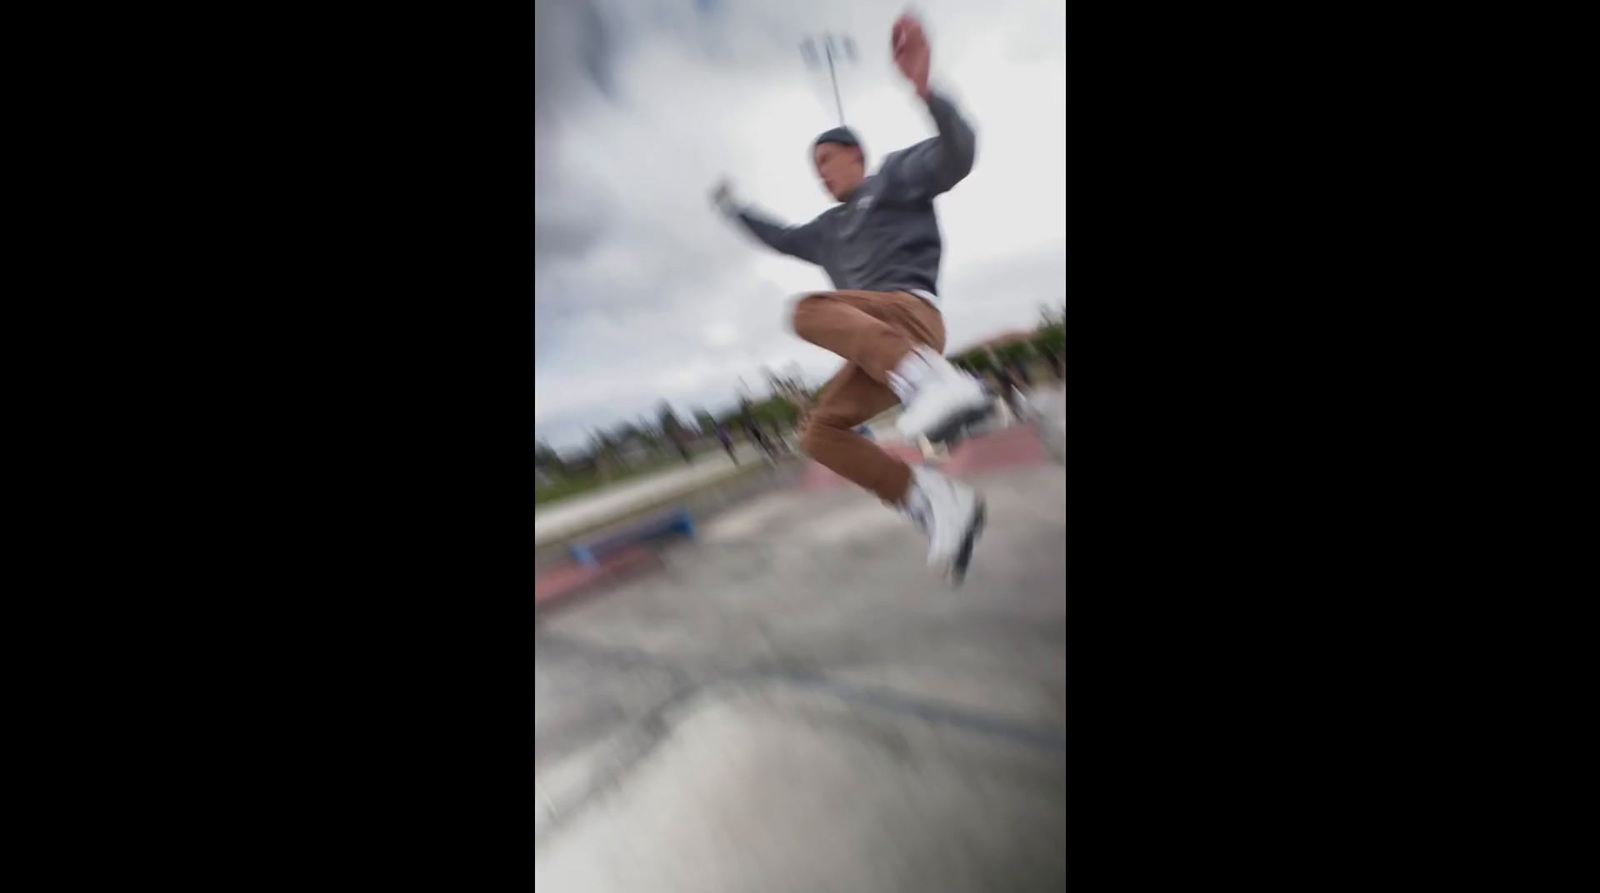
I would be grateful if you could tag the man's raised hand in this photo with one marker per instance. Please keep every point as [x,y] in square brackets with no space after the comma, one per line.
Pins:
[722,196]
[911,53]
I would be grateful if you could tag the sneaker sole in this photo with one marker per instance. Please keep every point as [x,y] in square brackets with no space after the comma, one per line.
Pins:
[951,429]
[958,568]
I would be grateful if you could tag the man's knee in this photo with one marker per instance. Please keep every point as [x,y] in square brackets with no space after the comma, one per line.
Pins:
[818,430]
[805,309]
[809,438]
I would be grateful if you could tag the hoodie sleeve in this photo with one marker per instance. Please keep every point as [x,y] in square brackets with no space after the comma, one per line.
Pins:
[804,241]
[935,165]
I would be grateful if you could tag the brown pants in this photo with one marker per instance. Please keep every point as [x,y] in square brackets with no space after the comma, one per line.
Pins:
[872,331]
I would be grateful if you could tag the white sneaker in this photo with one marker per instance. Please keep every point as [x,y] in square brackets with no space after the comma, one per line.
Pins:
[944,401]
[951,514]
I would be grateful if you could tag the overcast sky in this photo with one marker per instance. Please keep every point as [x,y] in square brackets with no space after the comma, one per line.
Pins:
[644,293]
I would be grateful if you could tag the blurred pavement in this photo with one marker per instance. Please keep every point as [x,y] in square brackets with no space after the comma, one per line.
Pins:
[796,703]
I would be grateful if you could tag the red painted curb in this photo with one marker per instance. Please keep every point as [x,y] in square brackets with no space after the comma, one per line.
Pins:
[571,579]
[1009,448]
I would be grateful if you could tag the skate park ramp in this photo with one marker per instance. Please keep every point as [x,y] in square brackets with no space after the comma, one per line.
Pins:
[794,702]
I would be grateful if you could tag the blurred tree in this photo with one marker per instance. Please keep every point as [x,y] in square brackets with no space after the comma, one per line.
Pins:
[548,459]
[775,412]
[1050,340]
[1052,316]
[673,432]
[602,454]
[707,422]
[671,425]
[648,432]
[1011,354]
[979,361]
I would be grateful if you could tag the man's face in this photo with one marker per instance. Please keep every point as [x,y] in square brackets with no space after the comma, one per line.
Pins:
[840,168]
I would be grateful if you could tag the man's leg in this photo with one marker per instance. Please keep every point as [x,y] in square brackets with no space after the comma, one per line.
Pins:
[850,398]
[872,330]
[949,512]
[895,339]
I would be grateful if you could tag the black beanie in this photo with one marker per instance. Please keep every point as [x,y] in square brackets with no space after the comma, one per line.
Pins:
[844,136]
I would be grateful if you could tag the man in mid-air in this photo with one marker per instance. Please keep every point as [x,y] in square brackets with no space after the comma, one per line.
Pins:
[880,246]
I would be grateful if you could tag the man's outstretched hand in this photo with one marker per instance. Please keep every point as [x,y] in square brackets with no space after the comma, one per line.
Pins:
[722,196]
[911,52]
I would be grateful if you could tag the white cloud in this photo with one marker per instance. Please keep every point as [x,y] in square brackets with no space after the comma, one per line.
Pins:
[721,334]
[643,294]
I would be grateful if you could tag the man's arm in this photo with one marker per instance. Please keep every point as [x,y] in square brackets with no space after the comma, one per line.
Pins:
[804,241]
[935,165]
[932,166]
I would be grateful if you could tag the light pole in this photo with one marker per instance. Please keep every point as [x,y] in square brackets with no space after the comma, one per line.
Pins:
[833,46]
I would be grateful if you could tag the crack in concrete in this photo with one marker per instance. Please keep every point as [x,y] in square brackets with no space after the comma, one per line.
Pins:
[930,709]
[644,735]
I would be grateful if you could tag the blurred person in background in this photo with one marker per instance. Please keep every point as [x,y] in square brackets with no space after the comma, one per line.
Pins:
[1020,366]
[1006,384]
[881,247]
[727,442]
[752,430]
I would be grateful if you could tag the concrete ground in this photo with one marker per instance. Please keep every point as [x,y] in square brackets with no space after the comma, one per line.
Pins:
[796,703]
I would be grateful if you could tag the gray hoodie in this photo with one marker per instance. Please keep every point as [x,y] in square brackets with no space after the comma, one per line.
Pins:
[885,237]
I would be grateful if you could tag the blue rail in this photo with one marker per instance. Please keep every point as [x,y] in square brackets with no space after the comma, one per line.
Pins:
[590,552]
